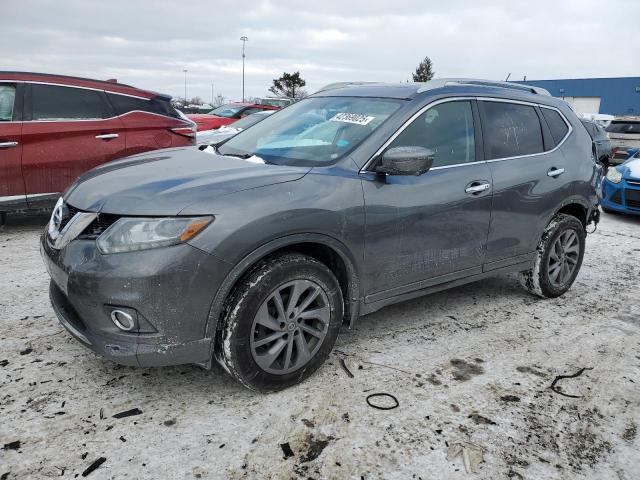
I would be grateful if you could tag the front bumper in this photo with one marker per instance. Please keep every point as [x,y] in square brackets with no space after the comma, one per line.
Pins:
[622,197]
[170,291]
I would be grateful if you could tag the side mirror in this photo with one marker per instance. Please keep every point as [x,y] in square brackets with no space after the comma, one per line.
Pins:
[406,161]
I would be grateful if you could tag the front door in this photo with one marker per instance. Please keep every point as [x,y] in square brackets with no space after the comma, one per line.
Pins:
[66,132]
[427,229]
[12,194]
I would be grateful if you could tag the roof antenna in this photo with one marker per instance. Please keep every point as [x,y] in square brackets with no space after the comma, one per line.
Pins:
[507,79]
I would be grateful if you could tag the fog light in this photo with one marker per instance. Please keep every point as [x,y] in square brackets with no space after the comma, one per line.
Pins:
[123,320]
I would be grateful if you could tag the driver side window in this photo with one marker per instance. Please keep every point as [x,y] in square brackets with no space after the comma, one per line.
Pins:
[446,129]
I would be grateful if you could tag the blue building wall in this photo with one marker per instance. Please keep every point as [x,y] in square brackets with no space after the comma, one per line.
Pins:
[619,96]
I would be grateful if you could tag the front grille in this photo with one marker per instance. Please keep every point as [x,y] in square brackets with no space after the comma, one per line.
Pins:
[99,225]
[95,228]
[634,182]
[616,197]
[632,198]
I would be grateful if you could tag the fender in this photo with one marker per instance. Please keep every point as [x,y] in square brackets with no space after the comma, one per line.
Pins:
[354,295]
[570,200]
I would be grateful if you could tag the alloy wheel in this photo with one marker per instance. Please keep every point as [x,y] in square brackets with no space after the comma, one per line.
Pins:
[563,258]
[290,326]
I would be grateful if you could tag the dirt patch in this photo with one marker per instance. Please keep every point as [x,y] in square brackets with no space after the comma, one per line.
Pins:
[464,371]
[630,432]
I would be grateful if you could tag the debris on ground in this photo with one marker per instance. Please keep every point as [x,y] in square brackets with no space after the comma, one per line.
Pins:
[95,465]
[343,364]
[560,377]
[471,454]
[12,445]
[128,413]
[286,450]
[389,403]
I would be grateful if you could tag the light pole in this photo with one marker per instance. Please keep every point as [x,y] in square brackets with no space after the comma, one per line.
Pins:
[212,94]
[244,41]
[185,87]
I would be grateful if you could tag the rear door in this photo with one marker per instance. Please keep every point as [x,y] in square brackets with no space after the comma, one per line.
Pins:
[151,124]
[67,131]
[12,194]
[528,176]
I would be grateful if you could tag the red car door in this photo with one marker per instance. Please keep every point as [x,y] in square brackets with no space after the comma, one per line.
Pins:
[12,193]
[67,131]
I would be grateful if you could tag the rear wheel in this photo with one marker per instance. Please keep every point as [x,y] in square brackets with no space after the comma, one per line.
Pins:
[281,323]
[558,258]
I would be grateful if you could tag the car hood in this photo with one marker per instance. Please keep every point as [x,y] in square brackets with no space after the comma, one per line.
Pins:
[632,168]
[164,182]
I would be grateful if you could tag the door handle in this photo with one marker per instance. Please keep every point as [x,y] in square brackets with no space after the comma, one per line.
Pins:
[555,172]
[107,136]
[476,187]
[8,144]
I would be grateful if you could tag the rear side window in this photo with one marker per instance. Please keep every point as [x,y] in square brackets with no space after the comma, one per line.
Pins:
[624,127]
[7,100]
[511,130]
[446,129]
[123,104]
[49,102]
[558,126]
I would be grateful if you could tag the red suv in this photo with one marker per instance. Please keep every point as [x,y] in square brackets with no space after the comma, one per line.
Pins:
[53,128]
[226,114]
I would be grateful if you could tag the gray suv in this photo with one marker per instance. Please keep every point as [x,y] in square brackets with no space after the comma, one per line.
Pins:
[255,253]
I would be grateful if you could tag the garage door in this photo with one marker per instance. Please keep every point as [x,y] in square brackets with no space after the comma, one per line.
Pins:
[584,104]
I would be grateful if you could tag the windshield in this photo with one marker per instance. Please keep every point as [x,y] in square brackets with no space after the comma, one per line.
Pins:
[226,110]
[624,127]
[249,120]
[314,130]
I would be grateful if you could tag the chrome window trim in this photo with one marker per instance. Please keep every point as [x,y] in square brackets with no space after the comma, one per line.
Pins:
[484,99]
[96,119]
[441,167]
[83,88]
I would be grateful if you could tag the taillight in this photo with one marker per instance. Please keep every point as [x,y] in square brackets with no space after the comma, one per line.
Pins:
[185,131]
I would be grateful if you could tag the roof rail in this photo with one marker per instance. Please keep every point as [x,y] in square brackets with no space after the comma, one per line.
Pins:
[335,85]
[443,82]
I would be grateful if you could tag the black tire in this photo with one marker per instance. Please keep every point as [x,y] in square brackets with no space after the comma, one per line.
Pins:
[608,210]
[538,280]
[238,333]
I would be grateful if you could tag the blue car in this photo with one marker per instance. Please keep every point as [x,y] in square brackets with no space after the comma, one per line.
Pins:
[621,187]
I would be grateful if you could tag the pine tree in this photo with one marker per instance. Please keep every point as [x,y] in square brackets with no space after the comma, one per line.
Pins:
[424,72]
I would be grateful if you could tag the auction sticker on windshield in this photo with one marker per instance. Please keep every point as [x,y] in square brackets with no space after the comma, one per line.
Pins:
[356,118]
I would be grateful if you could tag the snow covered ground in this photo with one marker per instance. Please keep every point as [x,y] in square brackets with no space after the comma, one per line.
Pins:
[470,364]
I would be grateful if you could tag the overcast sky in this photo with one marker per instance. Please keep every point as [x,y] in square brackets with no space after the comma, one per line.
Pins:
[150,43]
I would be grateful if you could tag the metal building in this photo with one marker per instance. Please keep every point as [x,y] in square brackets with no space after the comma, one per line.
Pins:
[613,96]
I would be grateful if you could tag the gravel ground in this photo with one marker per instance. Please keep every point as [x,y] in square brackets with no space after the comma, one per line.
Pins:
[471,364]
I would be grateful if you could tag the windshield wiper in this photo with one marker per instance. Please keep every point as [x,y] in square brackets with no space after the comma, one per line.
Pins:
[243,156]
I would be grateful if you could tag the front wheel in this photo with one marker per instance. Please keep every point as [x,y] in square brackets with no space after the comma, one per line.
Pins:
[281,322]
[558,258]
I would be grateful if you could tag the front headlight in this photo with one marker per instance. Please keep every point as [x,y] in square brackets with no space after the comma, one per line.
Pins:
[614,175]
[130,234]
